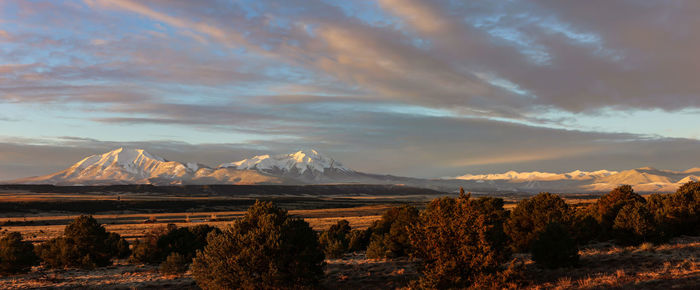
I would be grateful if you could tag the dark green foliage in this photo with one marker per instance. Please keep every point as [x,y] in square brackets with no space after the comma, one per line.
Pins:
[677,213]
[554,247]
[119,247]
[390,234]
[492,209]
[359,240]
[634,224]
[335,241]
[177,240]
[160,242]
[584,225]
[610,204]
[659,207]
[85,244]
[16,255]
[683,209]
[266,249]
[531,216]
[146,250]
[175,263]
[459,242]
[200,233]
[62,252]
[376,249]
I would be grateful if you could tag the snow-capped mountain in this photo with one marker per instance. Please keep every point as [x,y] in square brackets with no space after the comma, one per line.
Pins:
[122,165]
[645,179]
[306,165]
[515,176]
[301,161]
[136,166]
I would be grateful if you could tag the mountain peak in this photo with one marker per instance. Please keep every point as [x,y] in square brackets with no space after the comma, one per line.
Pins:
[302,160]
[301,154]
[538,176]
[121,156]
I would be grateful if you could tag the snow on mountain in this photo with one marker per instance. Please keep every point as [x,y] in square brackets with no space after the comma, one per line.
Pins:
[689,178]
[636,176]
[136,166]
[644,179]
[122,165]
[301,162]
[515,176]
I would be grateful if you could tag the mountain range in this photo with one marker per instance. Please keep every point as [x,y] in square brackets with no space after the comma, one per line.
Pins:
[136,166]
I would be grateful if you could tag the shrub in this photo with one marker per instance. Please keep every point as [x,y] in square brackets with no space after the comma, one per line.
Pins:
[390,234]
[146,249]
[660,209]
[492,209]
[610,204]
[174,264]
[683,207]
[554,247]
[459,242]
[160,242]
[335,241]
[16,255]
[531,216]
[85,244]
[634,224]
[200,233]
[118,246]
[177,240]
[584,226]
[358,240]
[377,249]
[265,249]
[61,252]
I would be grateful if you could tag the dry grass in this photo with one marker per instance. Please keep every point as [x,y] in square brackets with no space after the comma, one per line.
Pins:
[674,265]
[132,226]
[119,276]
[356,271]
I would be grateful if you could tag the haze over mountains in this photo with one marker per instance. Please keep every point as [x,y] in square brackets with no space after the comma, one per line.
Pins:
[136,166]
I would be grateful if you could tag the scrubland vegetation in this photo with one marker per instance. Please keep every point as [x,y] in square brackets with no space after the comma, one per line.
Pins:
[454,242]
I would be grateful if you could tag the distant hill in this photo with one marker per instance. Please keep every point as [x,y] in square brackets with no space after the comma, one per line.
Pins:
[125,166]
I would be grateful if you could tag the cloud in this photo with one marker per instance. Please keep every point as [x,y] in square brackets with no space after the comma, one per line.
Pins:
[424,88]
[397,144]
[475,56]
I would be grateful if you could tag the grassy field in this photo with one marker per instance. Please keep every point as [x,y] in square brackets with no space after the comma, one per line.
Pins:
[41,216]
[132,226]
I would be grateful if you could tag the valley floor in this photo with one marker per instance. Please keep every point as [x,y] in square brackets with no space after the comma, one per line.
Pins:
[675,265]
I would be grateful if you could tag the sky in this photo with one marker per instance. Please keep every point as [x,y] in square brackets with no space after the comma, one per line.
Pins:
[415,88]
